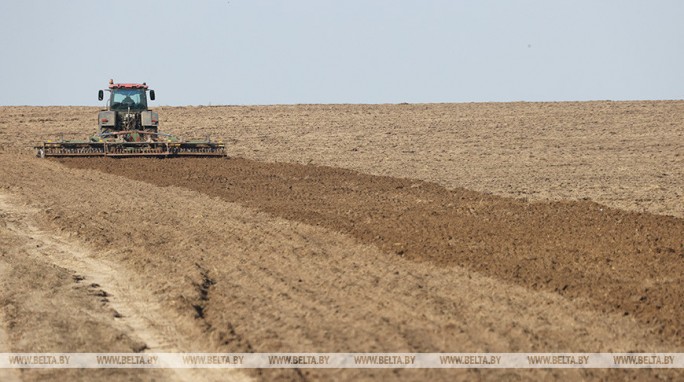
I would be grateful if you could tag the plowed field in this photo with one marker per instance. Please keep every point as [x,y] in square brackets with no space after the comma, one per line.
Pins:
[352,228]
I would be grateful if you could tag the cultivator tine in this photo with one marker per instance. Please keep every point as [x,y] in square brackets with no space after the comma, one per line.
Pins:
[70,150]
[137,149]
[202,151]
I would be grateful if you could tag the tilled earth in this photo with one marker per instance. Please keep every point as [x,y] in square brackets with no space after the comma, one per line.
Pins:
[324,252]
[574,249]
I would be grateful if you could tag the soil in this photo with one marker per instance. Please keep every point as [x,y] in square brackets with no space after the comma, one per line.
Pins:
[572,248]
[353,228]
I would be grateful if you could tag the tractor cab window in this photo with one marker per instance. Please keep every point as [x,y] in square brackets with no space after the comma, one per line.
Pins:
[122,99]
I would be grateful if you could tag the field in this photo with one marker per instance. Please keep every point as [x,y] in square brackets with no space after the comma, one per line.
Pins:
[510,227]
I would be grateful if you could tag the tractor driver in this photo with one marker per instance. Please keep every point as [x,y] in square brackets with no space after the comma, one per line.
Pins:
[128,101]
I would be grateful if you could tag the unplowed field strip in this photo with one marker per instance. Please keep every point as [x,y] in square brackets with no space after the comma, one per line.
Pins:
[612,260]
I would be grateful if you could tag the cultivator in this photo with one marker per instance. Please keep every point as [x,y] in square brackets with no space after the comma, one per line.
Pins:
[129,129]
[154,147]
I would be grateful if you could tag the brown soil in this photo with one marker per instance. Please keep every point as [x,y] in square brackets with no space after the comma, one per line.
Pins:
[243,255]
[622,262]
[628,155]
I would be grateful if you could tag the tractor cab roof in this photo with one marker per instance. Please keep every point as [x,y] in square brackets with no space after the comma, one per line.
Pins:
[127,86]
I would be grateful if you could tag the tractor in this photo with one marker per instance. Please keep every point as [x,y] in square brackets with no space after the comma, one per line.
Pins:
[128,128]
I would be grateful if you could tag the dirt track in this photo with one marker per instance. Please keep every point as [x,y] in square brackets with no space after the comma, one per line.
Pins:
[241,255]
